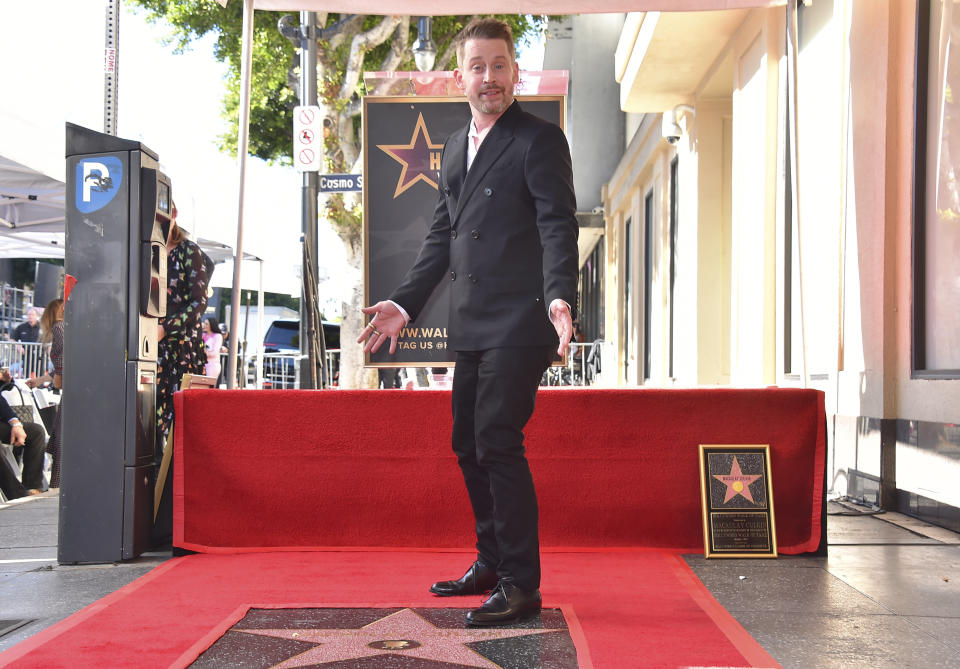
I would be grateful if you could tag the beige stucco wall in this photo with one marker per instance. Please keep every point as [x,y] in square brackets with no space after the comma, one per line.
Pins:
[919,399]
[856,100]
[713,231]
[876,378]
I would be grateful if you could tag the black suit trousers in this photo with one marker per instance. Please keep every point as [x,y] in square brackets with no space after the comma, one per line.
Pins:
[31,453]
[494,392]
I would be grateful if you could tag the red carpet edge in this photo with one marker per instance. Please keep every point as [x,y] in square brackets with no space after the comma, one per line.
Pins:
[651,644]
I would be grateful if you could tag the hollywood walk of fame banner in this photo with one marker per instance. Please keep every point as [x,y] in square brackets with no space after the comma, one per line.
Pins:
[403,138]
[737,493]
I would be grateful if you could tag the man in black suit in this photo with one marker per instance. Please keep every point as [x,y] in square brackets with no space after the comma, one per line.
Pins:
[504,234]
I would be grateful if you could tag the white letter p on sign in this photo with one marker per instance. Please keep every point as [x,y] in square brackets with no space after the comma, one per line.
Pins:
[92,167]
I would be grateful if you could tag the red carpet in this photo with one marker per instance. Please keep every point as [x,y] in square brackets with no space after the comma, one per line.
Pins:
[630,608]
[289,470]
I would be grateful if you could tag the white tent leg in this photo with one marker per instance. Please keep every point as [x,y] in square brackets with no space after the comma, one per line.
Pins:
[793,157]
[259,380]
[243,135]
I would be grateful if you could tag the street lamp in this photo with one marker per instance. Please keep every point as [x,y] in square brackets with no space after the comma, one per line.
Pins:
[424,50]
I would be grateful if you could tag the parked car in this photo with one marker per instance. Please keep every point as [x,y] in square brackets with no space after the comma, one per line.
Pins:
[281,346]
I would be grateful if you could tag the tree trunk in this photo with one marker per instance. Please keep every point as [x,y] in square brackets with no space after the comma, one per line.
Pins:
[352,372]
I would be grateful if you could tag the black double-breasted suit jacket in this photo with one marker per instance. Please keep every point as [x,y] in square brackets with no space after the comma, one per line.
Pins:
[504,234]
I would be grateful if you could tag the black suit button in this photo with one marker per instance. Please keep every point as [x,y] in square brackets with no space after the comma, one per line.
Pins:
[453,234]
[472,278]
[475,234]
[488,192]
[453,276]
[446,191]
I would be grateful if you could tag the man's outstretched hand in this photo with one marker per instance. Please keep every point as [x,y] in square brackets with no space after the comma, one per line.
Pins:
[386,321]
[562,323]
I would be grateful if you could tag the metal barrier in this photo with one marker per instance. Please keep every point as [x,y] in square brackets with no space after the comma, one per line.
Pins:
[280,370]
[583,364]
[24,360]
[13,308]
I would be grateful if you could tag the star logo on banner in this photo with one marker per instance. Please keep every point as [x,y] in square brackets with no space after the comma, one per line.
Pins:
[737,482]
[403,633]
[420,158]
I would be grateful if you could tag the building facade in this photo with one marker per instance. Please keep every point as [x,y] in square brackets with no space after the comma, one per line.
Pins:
[758,233]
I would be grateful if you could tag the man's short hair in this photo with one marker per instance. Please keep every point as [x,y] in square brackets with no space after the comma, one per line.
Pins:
[485,28]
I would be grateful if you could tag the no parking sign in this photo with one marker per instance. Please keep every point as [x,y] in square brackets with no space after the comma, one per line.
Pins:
[307,138]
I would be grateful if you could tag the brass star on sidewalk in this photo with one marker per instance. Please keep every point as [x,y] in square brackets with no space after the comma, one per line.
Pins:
[420,158]
[737,482]
[401,633]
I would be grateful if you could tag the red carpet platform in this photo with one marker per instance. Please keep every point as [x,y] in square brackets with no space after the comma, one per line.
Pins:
[297,482]
[295,470]
[625,609]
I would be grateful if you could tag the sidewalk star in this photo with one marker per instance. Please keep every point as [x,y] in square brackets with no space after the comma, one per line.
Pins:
[401,633]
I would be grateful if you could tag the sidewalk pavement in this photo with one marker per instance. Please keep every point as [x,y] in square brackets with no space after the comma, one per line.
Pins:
[888,594]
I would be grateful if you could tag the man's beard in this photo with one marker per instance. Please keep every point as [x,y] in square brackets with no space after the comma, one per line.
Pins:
[491,107]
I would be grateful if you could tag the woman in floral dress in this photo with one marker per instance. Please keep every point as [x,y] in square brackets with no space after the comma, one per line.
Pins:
[181,338]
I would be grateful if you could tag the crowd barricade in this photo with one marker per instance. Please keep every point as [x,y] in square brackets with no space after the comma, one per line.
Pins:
[278,370]
[580,369]
[24,360]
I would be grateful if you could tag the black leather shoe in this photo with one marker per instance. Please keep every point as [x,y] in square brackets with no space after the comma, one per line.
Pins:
[506,604]
[478,580]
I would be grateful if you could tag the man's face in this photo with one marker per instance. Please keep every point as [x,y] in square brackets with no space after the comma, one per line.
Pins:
[487,76]
[32,316]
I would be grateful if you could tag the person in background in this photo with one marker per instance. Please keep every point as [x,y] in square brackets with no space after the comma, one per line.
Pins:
[51,326]
[6,379]
[28,332]
[181,350]
[213,342]
[28,441]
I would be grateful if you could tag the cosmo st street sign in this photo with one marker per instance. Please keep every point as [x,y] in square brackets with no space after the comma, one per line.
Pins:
[340,183]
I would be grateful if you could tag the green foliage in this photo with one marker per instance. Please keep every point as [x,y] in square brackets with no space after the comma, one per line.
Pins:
[275,64]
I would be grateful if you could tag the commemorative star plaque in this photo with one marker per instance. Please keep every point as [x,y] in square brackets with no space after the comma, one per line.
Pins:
[737,494]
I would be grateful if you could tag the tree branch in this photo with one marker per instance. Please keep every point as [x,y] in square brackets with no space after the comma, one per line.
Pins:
[398,48]
[362,43]
[341,30]
[353,107]
[443,62]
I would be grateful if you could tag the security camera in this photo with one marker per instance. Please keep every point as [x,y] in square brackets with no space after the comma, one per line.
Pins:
[676,122]
[669,128]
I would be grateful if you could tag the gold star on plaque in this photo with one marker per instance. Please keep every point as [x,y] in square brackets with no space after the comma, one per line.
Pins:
[420,158]
[737,482]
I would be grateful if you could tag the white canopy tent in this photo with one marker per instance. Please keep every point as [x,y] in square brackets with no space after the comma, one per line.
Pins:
[31,190]
[455,7]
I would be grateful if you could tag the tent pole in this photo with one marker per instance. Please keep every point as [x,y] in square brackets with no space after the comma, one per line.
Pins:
[243,134]
[260,331]
[792,156]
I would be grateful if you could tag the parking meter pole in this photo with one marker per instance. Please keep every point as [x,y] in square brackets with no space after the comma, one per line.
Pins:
[111,62]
